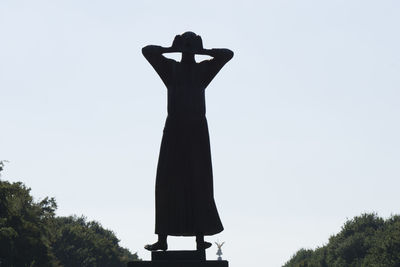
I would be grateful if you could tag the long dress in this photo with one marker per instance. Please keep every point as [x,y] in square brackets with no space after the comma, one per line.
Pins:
[185,203]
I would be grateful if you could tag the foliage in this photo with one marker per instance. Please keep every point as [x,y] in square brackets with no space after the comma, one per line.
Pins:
[82,243]
[31,234]
[365,240]
[2,163]
[23,227]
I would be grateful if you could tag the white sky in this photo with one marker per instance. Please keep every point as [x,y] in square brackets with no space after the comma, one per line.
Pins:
[304,121]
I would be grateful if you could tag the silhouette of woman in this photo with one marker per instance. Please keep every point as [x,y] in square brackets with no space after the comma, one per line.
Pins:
[184,183]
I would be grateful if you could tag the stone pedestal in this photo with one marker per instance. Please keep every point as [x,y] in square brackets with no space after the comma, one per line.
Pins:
[178,258]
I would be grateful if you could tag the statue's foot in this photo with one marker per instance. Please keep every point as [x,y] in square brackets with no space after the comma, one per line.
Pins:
[157,246]
[203,245]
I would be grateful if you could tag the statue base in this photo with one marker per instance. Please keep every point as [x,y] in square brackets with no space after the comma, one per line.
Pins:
[178,258]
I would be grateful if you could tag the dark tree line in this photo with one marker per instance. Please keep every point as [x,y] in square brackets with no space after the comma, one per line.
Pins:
[31,235]
[365,240]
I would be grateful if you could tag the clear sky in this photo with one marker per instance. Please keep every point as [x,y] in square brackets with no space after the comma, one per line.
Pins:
[304,121]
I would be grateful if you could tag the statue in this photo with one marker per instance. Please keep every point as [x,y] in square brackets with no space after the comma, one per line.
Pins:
[219,251]
[185,203]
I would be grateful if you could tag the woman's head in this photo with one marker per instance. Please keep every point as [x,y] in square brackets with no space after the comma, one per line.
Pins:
[188,41]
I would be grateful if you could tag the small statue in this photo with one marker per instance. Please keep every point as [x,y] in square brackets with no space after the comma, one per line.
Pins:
[219,252]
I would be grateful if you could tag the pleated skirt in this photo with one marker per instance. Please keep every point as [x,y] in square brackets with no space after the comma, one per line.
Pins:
[185,203]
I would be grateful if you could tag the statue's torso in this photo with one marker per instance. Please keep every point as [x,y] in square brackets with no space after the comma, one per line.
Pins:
[186,90]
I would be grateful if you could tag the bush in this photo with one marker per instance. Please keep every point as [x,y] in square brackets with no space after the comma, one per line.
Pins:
[31,234]
[365,240]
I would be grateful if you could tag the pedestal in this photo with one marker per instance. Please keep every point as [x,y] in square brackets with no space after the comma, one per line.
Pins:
[178,258]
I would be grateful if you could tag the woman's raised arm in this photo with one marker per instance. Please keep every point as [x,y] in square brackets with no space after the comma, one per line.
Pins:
[161,64]
[222,54]
[156,50]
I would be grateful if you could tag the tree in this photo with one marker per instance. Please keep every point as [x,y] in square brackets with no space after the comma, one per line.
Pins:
[24,237]
[365,240]
[2,165]
[82,243]
[31,235]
